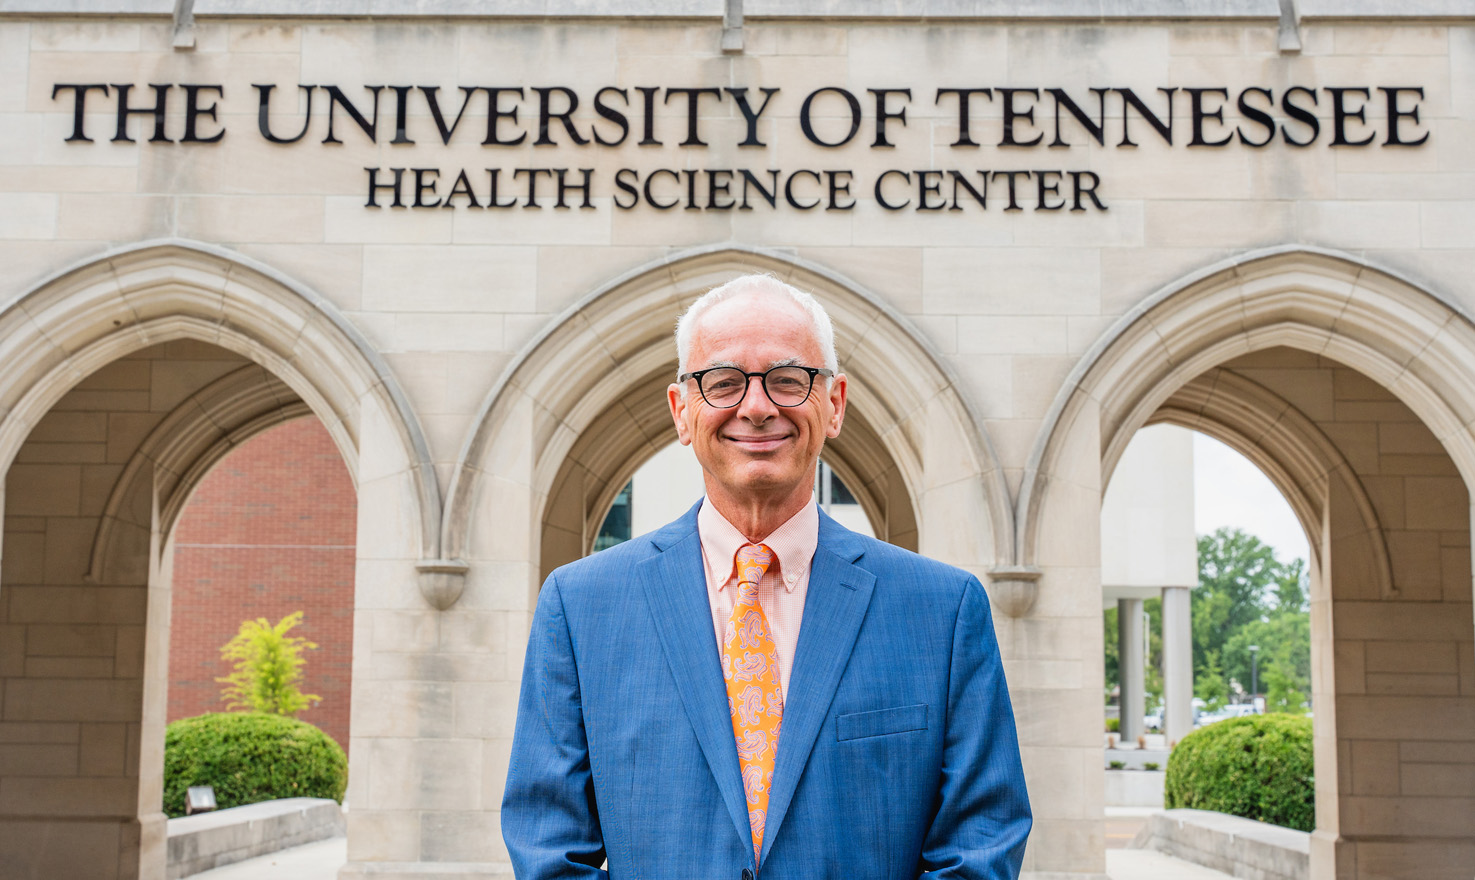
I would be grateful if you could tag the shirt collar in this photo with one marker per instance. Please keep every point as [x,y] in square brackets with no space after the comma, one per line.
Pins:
[793,543]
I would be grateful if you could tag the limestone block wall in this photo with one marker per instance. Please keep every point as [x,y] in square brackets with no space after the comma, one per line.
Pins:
[79,789]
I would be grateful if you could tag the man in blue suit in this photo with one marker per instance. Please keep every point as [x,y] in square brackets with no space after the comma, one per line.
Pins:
[754,689]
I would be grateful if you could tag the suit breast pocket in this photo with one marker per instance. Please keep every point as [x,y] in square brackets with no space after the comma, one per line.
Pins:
[881,722]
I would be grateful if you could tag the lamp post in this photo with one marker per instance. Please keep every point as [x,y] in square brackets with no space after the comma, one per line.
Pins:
[1254,677]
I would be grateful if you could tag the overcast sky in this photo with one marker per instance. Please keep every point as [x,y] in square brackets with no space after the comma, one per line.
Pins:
[1229,491]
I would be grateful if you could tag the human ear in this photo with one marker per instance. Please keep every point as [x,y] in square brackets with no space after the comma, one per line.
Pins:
[837,405]
[678,403]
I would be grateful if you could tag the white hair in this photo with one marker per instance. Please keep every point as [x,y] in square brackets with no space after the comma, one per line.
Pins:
[824,331]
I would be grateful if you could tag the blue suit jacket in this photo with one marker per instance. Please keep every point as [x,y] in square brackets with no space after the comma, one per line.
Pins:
[898,753]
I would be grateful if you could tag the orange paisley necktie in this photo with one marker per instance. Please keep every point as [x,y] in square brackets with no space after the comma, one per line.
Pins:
[750,667]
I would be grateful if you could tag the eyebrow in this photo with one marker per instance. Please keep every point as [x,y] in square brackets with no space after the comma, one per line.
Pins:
[784,362]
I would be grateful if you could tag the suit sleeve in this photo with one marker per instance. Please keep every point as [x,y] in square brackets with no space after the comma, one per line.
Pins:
[550,821]
[983,814]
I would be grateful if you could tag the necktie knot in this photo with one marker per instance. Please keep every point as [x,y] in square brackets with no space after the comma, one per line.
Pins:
[752,561]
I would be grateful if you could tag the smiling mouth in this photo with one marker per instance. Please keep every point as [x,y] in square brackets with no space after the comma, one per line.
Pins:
[764,443]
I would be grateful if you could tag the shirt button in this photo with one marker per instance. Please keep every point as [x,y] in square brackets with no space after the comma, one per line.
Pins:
[747,874]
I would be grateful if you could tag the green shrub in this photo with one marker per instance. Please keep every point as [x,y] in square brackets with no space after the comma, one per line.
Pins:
[1149,765]
[1258,767]
[1116,765]
[249,757]
[1113,725]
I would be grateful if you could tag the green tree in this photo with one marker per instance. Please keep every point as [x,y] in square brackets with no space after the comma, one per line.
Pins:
[1283,692]
[1210,685]
[1284,639]
[268,667]
[1237,573]
[1291,589]
[1245,597]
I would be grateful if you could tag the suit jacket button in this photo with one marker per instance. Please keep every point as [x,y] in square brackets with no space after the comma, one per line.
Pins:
[747,874]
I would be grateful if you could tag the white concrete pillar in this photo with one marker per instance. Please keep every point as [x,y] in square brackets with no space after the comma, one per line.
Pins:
[1177,664]
[1131,667]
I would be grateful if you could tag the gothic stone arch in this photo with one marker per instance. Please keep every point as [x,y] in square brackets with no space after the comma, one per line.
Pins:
[579,409]
[84,567]
[1376,456]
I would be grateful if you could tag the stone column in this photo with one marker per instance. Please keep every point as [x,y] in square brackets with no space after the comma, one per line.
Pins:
[1130,668]
[1177,664]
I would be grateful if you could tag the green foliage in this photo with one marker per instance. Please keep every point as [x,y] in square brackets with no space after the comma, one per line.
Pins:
[1149,765]
[250,757]
[1285,652]
[1113,725]
[1258,767]
[1116,765]
[1236,572]
[268,667]
[1247,597]
[1282,694]
[1209,685]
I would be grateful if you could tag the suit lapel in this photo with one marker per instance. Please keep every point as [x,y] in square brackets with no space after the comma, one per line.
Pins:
[839,594]
[676,590]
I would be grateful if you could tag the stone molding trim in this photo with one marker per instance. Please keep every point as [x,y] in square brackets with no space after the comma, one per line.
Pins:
[177,454]
[626,326]
[1014,588]
[61,330]
[922,10]
[442,581]
[1418,345]
[1287,447]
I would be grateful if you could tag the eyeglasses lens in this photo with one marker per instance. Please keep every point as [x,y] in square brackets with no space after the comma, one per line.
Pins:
[724,387]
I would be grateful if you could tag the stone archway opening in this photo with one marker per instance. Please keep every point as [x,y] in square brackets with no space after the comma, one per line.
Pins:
[584,406]
[267,531]
[93,501]
[1349,389]
[124,381]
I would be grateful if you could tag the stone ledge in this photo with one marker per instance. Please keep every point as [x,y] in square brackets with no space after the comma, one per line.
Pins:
[210,840]
[999,10]
[424,870]
[1241,847]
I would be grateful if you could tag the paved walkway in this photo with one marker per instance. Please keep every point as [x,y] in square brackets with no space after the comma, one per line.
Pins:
[321,861]
[313,861]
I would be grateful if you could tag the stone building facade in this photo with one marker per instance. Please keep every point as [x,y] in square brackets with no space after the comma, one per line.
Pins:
[460,236]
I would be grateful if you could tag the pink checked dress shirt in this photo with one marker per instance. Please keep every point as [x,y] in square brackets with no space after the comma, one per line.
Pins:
[782,590]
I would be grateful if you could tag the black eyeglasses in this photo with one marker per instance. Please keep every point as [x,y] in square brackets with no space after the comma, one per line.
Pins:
[725,387]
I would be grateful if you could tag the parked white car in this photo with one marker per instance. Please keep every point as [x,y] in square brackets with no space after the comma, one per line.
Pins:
[1236,710]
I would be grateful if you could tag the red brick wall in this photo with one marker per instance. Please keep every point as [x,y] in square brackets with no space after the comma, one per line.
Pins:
[269,531]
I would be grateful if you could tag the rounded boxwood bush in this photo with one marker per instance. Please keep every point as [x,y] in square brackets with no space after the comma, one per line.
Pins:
[1258,767]
[250,757]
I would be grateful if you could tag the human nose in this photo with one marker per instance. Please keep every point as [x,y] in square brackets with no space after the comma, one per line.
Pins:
[756,405]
